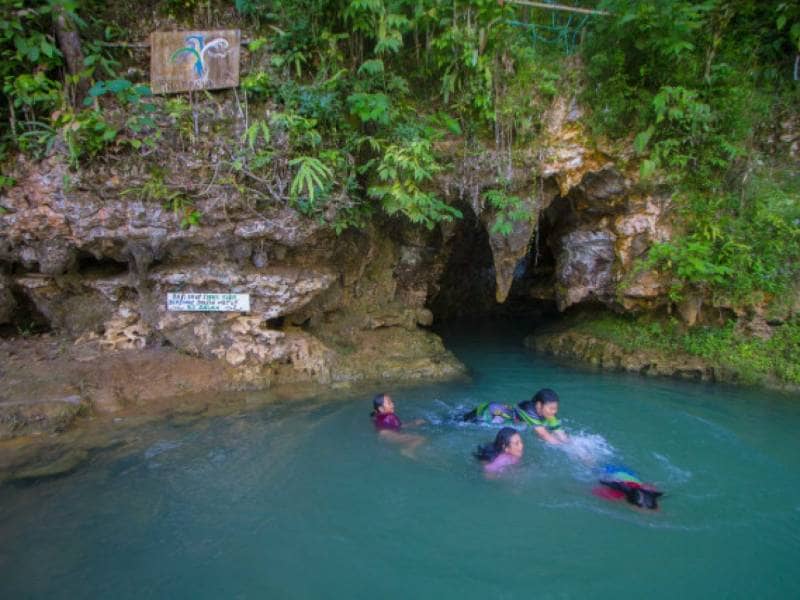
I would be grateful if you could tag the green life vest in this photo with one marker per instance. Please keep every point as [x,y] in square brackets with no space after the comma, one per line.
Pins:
[534,420]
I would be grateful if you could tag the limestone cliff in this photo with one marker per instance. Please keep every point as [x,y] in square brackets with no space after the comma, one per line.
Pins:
[87,254]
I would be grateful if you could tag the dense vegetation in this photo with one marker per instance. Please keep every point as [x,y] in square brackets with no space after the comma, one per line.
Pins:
[703,86]
[749,359]
[349,105]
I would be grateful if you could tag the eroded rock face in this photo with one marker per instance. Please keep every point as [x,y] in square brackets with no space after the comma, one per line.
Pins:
[101,260]
[54,215]
[585,268]
[605,228]
[567,154]
[98,258]
[72,306]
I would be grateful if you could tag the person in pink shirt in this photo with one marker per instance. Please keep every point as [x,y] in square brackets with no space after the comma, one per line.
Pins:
[388,424]
[506,450]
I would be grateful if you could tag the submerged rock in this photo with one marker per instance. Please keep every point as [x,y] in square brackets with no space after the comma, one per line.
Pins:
[39,415]
[51,467]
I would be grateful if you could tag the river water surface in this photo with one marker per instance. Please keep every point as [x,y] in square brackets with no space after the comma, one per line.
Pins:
[304,500]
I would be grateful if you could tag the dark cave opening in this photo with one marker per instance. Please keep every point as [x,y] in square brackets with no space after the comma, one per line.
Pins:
[87,264]
[467,286]
[26,319]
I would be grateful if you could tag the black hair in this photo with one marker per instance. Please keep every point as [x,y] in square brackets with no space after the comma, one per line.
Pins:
[488,452]
[529,406]
[643,498]
[638,496]
[545,396]
[377,402]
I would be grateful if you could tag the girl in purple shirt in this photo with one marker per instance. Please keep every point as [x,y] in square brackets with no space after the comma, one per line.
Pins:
[506,450]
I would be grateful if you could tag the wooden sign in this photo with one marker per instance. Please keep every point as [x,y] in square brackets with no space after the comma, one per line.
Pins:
[182,61]
[208,302]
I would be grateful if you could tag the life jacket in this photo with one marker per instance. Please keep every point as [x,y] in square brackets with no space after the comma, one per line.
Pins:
[535,420]
[488,411]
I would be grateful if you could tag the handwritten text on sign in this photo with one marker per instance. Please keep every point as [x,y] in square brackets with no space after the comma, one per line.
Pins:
[209,302]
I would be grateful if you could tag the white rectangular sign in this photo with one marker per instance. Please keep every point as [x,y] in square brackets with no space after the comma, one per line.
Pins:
[209,302]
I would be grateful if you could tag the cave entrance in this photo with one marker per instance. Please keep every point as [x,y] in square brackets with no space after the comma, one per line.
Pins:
[467,286]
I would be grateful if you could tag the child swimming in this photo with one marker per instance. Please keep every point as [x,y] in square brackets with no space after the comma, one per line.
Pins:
[506,450]
[388,424]
[491,412]
[383,413]
[540,413]
[617,483]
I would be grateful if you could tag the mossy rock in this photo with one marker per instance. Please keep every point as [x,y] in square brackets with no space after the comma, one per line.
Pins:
[47,468]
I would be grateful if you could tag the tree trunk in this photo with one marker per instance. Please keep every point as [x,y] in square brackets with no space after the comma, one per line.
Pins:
[69,42]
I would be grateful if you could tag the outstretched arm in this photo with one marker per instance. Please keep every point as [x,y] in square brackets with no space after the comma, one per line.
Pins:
[550,437]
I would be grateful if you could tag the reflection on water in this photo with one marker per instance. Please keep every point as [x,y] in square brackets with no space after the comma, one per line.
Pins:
[304,500]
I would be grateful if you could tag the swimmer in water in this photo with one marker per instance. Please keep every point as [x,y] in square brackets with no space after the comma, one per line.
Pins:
[506,450]
[491,412]
[618,483]
[540,413]
[388,424]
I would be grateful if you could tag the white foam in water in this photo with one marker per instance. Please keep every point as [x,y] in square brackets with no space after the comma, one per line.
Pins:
[589,448]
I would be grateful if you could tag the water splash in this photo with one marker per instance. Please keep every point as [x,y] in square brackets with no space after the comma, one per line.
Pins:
[589,448]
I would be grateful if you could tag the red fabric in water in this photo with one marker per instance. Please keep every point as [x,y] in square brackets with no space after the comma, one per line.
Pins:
[387,421]
[607,493]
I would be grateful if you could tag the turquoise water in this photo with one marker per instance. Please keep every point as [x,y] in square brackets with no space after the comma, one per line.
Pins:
[304,500]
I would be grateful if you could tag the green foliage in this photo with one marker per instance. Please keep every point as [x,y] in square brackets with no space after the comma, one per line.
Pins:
[692,79]
[29,60]
[312,178]
[370,107]
[508,210]
[402,170]
[34,93]
[86,133]
[751,360]
[258,129]
[155,189]
[123,90]
[179,112]
[258,84]
[737,246]
[90,131]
